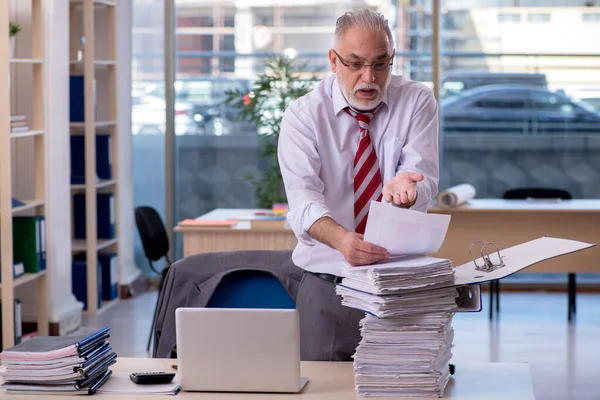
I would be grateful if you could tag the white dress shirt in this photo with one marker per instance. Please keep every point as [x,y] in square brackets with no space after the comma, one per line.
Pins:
[316,149]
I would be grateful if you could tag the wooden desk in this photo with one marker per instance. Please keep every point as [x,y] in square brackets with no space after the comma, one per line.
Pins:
[204,240]
[335,381]
[510,222]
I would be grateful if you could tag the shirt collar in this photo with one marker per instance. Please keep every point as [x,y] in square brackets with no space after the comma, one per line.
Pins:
[339,101]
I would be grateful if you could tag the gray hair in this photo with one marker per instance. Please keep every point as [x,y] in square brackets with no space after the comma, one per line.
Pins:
[363,18]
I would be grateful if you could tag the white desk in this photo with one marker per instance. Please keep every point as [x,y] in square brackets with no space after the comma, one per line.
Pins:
[505,222]
[335,381]
[511,222]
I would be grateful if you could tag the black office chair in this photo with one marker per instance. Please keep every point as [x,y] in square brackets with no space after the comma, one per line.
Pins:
[534,193]
[156,246]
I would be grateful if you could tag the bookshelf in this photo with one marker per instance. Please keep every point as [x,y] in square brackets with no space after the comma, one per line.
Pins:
[22,153]
[93,56]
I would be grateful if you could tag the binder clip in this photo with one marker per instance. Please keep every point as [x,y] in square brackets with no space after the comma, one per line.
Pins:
[488,265]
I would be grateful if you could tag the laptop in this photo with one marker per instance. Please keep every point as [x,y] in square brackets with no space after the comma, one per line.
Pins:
[238,350]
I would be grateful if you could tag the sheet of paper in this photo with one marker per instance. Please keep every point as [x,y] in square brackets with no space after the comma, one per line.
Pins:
[402,231]
[516,258]
[120,383]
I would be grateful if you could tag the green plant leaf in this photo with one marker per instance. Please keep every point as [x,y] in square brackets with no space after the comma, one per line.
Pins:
[13,29]
[264,106]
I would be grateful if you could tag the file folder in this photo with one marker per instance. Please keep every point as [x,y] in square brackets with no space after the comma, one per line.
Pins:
[76,98]
[17,203]
[109,267]
[18,270]
[103,158]
[105,216]
[110,275]
[29,243]
[18,325]
[79,282]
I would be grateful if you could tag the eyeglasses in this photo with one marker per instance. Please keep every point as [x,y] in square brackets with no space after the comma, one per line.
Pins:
[358,66]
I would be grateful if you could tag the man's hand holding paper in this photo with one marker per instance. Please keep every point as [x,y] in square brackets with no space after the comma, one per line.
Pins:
[404,232]
[357,251]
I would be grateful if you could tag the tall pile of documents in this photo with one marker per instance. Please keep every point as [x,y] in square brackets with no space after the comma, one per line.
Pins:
[407,332]
[58,365]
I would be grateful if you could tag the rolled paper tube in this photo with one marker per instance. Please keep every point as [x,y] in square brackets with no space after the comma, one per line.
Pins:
[456,195]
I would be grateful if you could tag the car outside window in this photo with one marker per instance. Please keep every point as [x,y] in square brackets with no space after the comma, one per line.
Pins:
[501,103]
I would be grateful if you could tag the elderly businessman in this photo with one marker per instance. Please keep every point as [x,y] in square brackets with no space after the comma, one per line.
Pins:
[361,135]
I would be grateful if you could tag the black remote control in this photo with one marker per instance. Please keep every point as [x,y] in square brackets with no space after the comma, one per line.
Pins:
[145,378]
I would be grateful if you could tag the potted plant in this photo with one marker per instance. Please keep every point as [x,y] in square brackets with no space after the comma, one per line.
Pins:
[13,30]
[264,105]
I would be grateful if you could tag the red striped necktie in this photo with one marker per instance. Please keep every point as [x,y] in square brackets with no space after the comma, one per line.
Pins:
[367,177]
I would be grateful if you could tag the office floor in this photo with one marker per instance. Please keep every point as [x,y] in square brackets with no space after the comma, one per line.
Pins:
[532,327]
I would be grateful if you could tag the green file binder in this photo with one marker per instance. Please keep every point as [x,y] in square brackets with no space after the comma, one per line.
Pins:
[29,245]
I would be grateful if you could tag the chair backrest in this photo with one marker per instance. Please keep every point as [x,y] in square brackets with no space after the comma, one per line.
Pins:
[537,193]
[152,232]
[250,289]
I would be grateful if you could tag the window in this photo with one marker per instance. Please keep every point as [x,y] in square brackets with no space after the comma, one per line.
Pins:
[550,102]
[509,18]
[590,17]
[538,17]
[514,102]
[148,113]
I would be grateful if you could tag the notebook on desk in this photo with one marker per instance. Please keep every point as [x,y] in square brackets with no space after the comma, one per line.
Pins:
[53,347]
[202,223]
[58,365]
[266,221]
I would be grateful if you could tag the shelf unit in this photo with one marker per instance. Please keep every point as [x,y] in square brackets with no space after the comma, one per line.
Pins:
[96,60]
[23,150]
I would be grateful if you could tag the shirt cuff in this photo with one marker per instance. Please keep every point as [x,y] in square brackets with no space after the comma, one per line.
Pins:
[422,201]
[311,214]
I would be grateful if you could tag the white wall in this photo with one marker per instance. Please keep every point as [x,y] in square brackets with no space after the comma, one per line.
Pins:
[62,304]
[126,223]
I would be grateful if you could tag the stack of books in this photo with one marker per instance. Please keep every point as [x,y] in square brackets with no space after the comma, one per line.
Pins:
[407,333]
[18,123]
[58,365]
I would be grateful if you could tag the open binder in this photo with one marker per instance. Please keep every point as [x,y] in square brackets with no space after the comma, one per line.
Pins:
[502,263]
[494,263]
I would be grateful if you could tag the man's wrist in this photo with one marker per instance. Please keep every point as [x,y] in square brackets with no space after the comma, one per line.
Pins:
[337,237]
[327,231]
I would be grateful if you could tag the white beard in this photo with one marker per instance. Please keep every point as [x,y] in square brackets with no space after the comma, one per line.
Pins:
[364,105]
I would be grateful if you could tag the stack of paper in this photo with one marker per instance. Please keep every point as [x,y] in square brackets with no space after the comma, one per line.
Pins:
[407,335]
[400,275]
[410,300]
[58,365]
[411,303]
[404,357]
[120,383]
